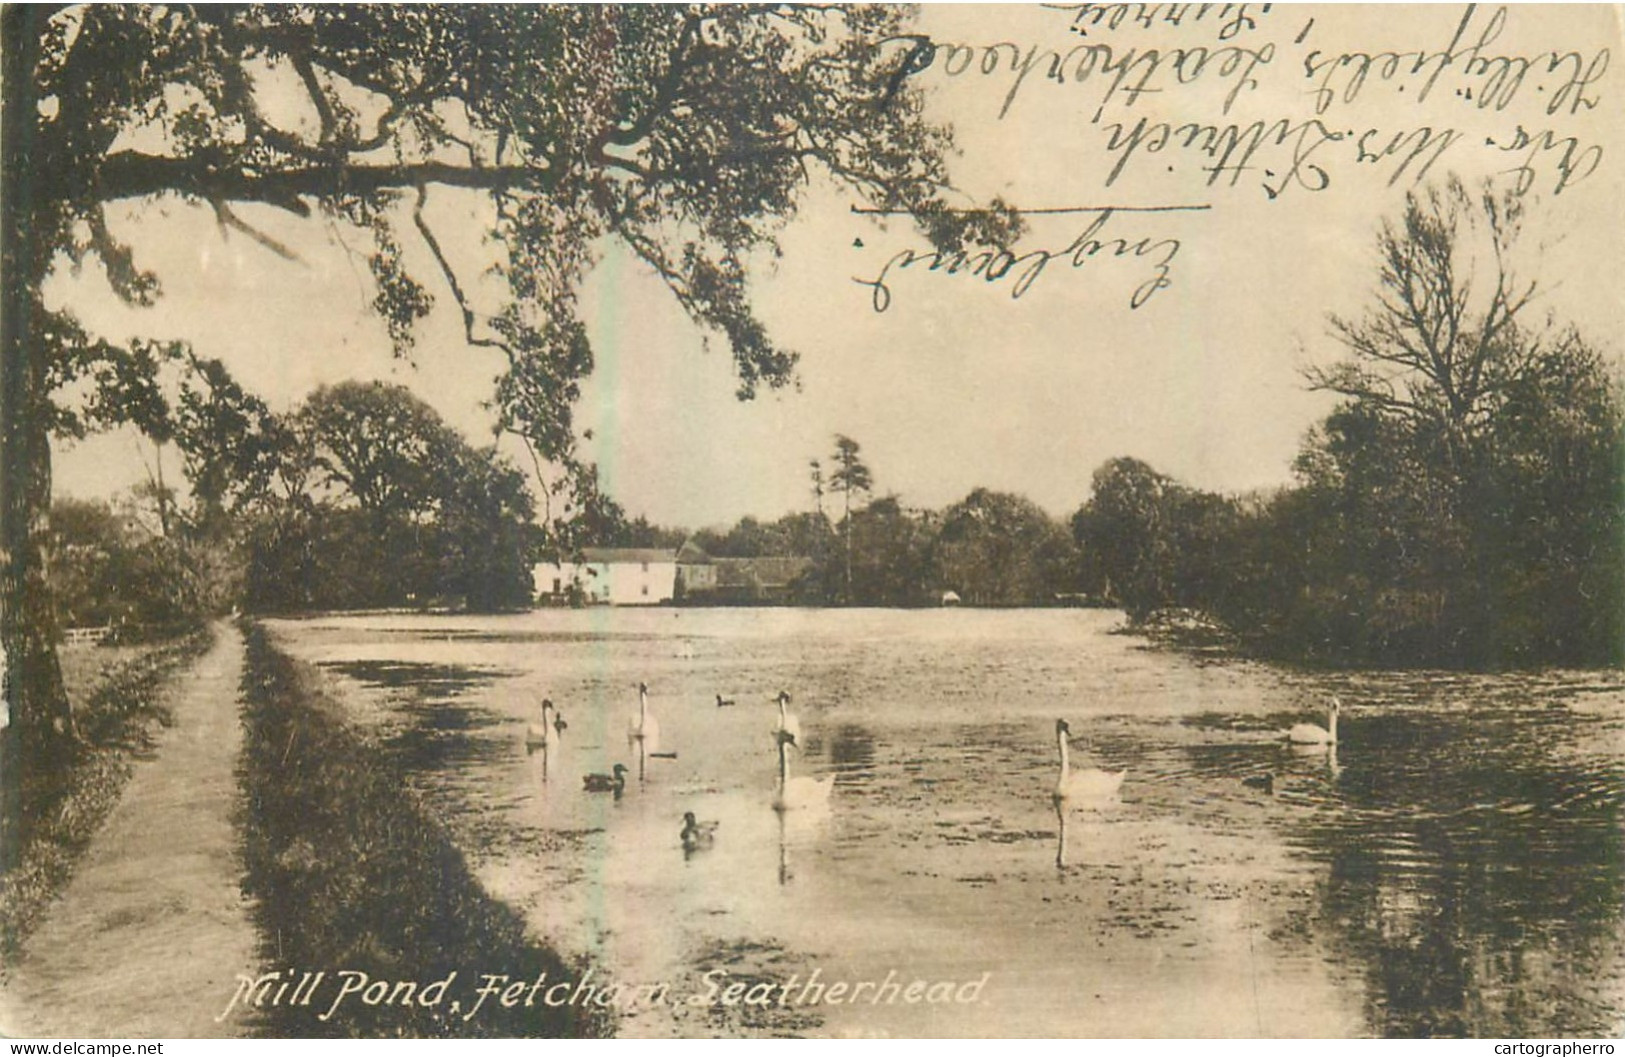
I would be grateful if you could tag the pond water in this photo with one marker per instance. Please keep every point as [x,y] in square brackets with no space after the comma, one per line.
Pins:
[1453,867]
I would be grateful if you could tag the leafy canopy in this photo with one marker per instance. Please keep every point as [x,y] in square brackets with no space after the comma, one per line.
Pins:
[688,133]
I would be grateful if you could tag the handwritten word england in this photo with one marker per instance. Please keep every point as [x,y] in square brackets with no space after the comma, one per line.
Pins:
[1021,271]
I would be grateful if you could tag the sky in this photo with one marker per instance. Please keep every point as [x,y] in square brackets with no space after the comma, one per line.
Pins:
[959,384]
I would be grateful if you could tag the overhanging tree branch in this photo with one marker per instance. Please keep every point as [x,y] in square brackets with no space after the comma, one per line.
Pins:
[127,174]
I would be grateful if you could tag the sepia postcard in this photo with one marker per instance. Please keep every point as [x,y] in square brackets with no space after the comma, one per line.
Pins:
[1056,520]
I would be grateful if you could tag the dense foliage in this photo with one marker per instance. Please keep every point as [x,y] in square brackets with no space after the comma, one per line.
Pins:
[1461,506]
[385,505]
[112,572]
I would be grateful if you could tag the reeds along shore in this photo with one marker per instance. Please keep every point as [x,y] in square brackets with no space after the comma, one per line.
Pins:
[348,872]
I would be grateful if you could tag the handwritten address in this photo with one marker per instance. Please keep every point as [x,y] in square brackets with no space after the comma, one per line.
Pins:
[1199,63]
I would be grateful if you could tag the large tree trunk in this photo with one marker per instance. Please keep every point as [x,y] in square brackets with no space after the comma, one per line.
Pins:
[38,738]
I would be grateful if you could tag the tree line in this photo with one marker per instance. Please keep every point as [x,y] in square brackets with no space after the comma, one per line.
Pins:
[1462,505]
[362,497]
[991,548]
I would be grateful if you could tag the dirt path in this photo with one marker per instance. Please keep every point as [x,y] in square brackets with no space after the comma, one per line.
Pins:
[149,936]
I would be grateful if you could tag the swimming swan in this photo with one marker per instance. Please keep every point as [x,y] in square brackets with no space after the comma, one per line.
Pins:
[537,734]
[642,730]
[1087,787]
[801,792]
[1310,734]
[788,723]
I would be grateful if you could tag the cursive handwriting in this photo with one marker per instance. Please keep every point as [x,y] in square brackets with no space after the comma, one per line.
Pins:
[1020,271]
[1499,78]
[1170,94]
[1232,150]
[1121,74]
[1574,160]
[1233,18]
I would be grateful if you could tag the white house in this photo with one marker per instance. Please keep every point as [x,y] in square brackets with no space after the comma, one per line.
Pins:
[615,576]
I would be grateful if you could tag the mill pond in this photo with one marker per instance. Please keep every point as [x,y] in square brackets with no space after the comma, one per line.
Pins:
[1453,866]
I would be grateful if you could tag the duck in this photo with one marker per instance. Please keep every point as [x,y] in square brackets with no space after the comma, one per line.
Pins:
[1310,734]
[559,725]
[1264,782]
[537,734]
[1086,787]
[788,723]
[613,782]
[801,793]
[643,730]
[724,702]
[697,834]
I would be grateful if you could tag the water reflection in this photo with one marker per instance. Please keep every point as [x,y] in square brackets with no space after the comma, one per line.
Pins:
[1060,836]
[1326,754]
[1454,866]
[1475,876]
[784,852]
[799,831]
[435,723]
[852,751]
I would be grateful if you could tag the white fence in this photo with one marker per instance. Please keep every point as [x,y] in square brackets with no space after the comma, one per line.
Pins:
[86,636]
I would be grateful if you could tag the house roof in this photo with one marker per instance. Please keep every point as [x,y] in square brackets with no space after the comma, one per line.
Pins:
[619,555]
[690,553]
[759,572]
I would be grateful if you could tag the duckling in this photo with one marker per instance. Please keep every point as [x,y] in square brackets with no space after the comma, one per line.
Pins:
[606,783]
[697,834]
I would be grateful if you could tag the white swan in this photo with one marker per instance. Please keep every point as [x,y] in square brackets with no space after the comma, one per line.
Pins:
[788,723]
[1310,734]
[1087,787]
[801,793]
[642,730]
[537,735]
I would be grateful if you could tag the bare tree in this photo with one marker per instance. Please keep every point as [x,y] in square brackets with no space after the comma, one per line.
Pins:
[1443,343]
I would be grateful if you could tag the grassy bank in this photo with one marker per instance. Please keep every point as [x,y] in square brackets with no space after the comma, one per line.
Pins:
[349,872]
[118,708]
